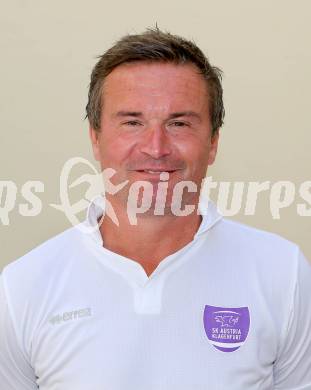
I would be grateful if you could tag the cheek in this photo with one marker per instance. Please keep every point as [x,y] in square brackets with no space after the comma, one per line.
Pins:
[114,150]
[193,150]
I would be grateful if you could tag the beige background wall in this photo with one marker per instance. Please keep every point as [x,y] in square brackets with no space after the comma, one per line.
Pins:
[49,48]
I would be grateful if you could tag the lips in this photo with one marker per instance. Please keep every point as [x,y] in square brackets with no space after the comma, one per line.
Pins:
[155,171]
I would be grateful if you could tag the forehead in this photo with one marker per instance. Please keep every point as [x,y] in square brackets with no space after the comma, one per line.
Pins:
[155,86]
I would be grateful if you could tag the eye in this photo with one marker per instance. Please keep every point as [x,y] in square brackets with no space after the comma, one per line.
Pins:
[132,123]
[179,124]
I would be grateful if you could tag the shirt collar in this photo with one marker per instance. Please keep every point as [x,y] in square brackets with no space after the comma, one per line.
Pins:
[208,210]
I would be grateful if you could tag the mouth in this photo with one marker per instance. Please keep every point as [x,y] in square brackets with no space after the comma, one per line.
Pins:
[156,173]
[151,171]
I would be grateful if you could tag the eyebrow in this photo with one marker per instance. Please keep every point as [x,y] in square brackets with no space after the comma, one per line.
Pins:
[121,114]
[137,114]
[192,114]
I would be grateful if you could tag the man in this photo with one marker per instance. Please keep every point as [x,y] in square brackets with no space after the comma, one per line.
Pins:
[176,300]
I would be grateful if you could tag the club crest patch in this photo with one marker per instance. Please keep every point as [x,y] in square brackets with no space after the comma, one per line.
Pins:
[226,328]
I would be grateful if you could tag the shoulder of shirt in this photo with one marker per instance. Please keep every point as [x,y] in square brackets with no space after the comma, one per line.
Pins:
[264,250]
[238,232]
[51,254]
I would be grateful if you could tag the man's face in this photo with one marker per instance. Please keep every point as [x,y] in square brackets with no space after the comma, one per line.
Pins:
[155,118]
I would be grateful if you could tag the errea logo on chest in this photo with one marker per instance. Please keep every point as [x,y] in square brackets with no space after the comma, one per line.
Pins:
[71,316]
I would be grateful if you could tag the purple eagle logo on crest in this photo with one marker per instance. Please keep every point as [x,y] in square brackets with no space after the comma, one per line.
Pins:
[228,320]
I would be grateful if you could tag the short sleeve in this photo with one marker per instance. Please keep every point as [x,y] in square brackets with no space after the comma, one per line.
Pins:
[15,371]
[292,369]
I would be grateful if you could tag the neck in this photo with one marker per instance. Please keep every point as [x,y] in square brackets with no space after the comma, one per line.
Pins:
[152,239]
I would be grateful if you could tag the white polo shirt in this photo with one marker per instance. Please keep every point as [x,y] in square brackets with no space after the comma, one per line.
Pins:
[230,310]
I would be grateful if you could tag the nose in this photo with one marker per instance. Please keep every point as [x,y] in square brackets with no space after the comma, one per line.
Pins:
[155,142]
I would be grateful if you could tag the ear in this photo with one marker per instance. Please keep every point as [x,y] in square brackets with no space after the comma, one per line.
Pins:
[94,137]
[213,147]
